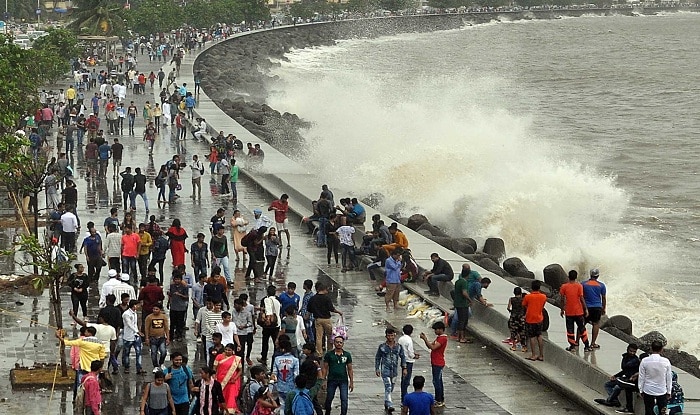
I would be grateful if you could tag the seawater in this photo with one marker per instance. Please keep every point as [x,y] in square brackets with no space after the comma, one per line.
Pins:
[575,140]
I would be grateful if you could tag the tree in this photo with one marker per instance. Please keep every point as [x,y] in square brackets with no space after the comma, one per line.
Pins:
[363,6]
[51,52]
[307,9]
[98,18]
[254,10]
[149,16]
[19,80]
[395,5]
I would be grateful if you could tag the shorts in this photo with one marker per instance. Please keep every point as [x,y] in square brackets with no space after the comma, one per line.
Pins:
[282,225]
[594,315]
[462,317]
[533,330]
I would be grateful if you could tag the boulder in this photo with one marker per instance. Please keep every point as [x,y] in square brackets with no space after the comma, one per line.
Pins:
[555,276]
[515,267]
[647,339]
[490,265]
[621,335]
[443,241]
[623,323]
[416,220]
[466,245]
[683,360]
[433,229]
[495,247]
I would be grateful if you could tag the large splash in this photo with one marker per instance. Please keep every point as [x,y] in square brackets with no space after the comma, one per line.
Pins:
[454,151]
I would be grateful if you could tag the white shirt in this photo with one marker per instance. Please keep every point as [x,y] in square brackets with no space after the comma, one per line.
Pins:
[123,287]
[655,375]
[131,326]
[107,290]
[272,305]
[345,234]
[105,334]
[227,332]
[407,343]
[113,245]
[69,222]
[263,221]
[166,109]
[196,167]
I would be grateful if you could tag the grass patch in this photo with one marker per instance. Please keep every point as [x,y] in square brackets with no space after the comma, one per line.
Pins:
[27,378]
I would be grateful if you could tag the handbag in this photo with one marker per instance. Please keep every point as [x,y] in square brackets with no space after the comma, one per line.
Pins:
[340,329]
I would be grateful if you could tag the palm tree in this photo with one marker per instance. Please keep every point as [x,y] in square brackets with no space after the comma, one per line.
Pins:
[98,17]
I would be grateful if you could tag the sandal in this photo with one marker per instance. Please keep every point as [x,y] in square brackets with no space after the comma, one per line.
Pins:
[513,348]
[595,346]
[524,349]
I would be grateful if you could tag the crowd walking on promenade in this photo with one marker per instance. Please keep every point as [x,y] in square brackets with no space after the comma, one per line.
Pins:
[162,284]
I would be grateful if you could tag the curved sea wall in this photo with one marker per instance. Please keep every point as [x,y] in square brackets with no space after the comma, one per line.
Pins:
[234,76]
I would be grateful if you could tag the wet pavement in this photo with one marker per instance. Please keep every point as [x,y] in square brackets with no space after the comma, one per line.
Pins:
[477,381]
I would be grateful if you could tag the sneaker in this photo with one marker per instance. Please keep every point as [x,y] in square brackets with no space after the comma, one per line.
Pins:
[571,349]
[587,349]
[390,409]
[156,369]
[603,402]
[439,404]
[624,411]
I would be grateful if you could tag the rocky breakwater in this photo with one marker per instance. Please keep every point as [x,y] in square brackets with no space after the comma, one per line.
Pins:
[492,257]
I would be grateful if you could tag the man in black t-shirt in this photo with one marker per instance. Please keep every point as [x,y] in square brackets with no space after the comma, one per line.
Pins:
[321,306]
[217,220]
[117,152]
[127,187]
[139,189]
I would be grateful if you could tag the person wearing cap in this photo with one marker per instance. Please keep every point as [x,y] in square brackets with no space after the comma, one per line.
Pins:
[108,286]
[261,220]
[123,287]
[594,293]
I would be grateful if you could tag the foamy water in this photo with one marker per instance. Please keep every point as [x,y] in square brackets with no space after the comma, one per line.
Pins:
[463,142]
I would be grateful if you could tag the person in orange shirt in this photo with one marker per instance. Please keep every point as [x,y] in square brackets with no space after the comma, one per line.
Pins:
[573,305]
[534,304]
[400,240]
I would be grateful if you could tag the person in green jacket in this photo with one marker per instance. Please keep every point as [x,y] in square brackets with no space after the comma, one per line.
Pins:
[234,180]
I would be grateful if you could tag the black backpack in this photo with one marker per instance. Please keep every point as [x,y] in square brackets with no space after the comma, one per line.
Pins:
[244,401]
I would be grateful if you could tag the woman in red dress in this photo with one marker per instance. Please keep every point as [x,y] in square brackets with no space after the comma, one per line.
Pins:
[177,236]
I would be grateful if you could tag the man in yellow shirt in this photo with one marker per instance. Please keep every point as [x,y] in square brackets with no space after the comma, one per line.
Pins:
[70,96]
[90,347]
[400,240]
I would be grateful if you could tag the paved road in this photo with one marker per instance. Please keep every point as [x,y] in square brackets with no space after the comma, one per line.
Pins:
[477,381]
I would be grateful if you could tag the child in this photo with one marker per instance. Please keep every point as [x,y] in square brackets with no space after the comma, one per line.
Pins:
[265,404]
[516,322]
[292,325]
[272,247]
[216,349]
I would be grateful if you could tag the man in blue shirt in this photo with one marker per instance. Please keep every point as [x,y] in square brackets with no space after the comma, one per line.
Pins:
[594,293]
[418,402]
[179,378]
[475,288]
[289,297]
[104,152]
[285,368]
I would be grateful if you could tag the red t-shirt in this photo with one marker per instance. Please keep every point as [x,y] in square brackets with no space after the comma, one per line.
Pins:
[281,210]
[130,245]
[437,356]
[573,293]
[534,302]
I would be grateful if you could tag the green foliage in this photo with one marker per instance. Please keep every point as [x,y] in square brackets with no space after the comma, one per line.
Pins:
[254,10]
[396,5]
[363,6]
[61,42]
[38,254]
[449,4]
[20,77]
[149,16]
[307,9]
[98,18]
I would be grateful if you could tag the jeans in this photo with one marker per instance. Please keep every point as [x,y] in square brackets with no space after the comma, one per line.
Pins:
[164,411]
[129,265]
[223,263]
[332,386]
[271,260]
[406,380]
[437,383]
[434,279]
[389,383]
[143,266]
[161,193]
[177,323]
[132,119]
[143,197]
[268,333]
[171,194]
[77,299]
[70,146]
[348,253]
[137,345]
[81,134]
[321,233]
[158,346]
[224,184]
[199,269]
[234,191]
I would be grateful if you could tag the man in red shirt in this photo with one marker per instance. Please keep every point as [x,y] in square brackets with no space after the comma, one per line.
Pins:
[131,244]
[534,304]
[150,295]
[437,360]
[573,305]
[281,206]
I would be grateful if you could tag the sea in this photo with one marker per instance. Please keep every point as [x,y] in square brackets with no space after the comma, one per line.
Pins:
[575,140]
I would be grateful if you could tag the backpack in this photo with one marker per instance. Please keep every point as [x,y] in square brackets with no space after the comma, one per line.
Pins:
[244,401]
[265,320]
[79,403]
[302,405]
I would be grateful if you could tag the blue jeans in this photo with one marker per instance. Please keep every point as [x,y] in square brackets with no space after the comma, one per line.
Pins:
[81,134]
[136,344]
[132,119]
[332,386]
[199,269]
[321,234]
[434,279]
[164,411]
[348,253]
[171,194]
[70,146]
[161,193]
[158,346]
[223,263]
[133,200]
[130,266]
[437,383]
[234,191]
[406,380]
[389,383]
